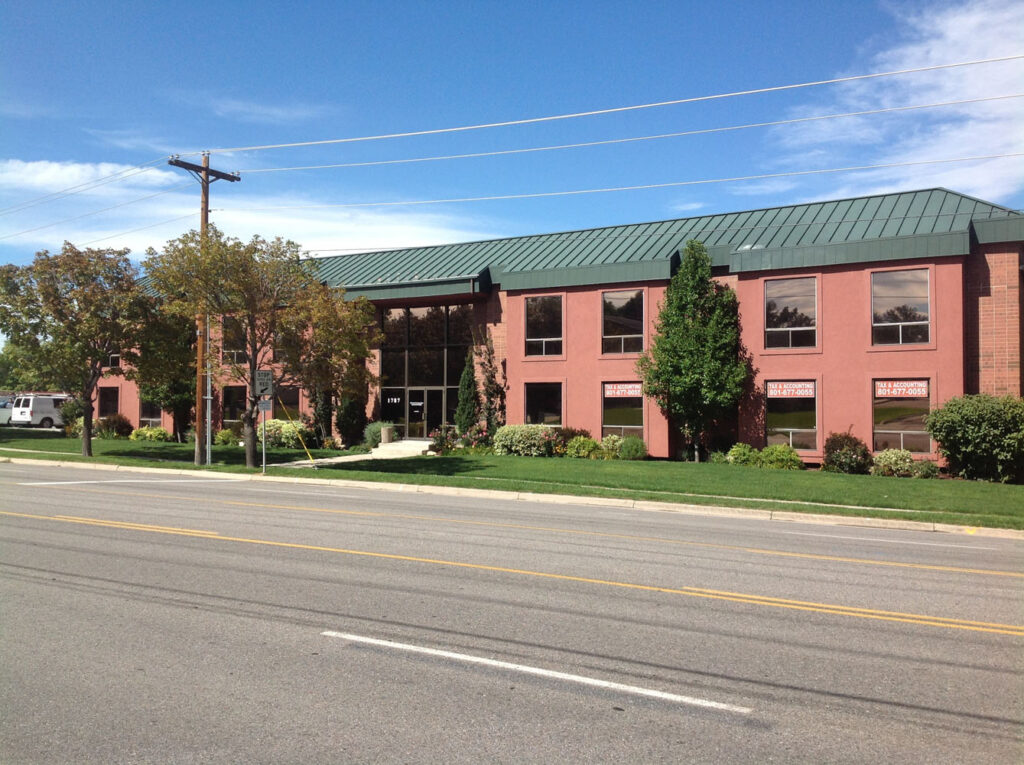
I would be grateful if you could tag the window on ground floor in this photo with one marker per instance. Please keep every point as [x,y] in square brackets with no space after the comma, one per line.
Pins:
[544,403]
[791,414]
[108,401]
[233,404]
[900,408]
[149,415]
[622,409]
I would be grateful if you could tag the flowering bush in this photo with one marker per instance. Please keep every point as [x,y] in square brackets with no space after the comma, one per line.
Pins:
[525,440]
[443,439]
[845,453]
[564,435]
[285,434]
[610,445]
[477,435]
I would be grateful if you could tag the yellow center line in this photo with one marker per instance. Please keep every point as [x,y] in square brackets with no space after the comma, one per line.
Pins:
[576,532]
[696,592]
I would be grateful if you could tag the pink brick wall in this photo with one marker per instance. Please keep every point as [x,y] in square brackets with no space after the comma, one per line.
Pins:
[992,328]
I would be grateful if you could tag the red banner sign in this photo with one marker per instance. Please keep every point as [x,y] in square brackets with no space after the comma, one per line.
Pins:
[901,389]
[790,389]
[623,390]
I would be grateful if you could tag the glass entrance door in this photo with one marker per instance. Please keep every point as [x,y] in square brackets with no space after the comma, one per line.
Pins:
[426,411]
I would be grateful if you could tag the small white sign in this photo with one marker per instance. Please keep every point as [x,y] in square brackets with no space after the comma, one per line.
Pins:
[623,390]
[266,405]
[264,382]
[798,389]
[901,388]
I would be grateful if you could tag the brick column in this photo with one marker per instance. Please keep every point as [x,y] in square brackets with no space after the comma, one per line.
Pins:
[992,320]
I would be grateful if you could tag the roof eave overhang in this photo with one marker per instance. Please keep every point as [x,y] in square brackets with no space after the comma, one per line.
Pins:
[995,230]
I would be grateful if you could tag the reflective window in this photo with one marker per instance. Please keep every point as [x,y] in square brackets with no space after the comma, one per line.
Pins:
[899,307]
[544,403]
[233,341]
[460,324]
[790,313]
[286,403]
[395,327]
[622,409]
[900,408]
[108,401]
[544,325]
[149,415]
[392,406]
[233,404]
[622,324]
[791,414]
[426,326]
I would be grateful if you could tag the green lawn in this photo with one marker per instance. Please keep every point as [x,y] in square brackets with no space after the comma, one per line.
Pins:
[942,501]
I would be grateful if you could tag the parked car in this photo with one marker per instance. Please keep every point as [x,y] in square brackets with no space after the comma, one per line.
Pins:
[42,409]
[6,407]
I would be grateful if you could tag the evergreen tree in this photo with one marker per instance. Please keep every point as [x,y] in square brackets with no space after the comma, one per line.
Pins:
[493,388]
[695,369]
[468,412]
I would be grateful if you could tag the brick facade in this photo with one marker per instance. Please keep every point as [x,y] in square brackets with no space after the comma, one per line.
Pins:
[992,320]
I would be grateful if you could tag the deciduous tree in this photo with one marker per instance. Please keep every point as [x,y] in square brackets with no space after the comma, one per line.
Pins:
[69,312]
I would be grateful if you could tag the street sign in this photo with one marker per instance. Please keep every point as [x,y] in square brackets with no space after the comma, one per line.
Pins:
[265,406]
[264,382]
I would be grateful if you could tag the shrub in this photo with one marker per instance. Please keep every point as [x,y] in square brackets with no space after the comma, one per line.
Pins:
[981,436]
[898,463]
[581,447]
[633,448]
[443,439]
[780,457]
[476,436]
[72,412]
[525,440]
[610,445]
[564,435]
[225,437]
[371,433]
[719,458]
[743,454]
[113,426]
[289,435]
[925,469]
[148,433]
[350,419]
[845,453]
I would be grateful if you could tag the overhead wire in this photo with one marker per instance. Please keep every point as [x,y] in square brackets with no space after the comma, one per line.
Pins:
[607,142]
[612,110]
[535,195]
[84,186]
[96,212]
[143,228]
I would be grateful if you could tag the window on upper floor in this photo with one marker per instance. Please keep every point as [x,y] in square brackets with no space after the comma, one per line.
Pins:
[233,341]
[791,313]
[899,307]
[544,325]
[622,323]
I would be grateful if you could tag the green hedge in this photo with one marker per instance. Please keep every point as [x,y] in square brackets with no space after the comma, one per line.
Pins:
[982,437]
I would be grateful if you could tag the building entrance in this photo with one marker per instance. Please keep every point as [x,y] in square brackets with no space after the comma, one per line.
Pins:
[426,411]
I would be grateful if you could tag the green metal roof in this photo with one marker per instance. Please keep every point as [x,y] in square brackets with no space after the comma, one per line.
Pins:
[914,224]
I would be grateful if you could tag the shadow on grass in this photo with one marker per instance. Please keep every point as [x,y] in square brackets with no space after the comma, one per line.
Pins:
[447,466]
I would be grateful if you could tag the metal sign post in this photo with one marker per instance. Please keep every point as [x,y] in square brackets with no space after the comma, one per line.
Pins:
[264,384]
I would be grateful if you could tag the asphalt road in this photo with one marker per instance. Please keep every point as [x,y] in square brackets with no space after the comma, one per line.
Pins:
[158,618]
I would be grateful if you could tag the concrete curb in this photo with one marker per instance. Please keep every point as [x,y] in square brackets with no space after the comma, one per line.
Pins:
[562,499]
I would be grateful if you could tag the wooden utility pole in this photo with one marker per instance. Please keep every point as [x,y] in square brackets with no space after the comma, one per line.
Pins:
[205,175]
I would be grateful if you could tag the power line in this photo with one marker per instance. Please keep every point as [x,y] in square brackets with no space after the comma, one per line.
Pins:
[96,212]
[595,112]
[84,186]
[141,228]
[704,131]
[535,195]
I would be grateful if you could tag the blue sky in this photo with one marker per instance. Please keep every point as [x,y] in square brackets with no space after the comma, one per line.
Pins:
[94,88]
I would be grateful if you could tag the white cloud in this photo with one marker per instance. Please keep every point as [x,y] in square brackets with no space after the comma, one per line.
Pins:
[17,176]
[132,140]
[932,35]
[267,114]
[686,206]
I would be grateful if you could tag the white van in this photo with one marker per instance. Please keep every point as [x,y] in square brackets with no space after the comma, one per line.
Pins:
[42,409]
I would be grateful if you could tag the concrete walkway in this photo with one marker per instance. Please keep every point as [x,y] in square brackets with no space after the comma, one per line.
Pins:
[393,451]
